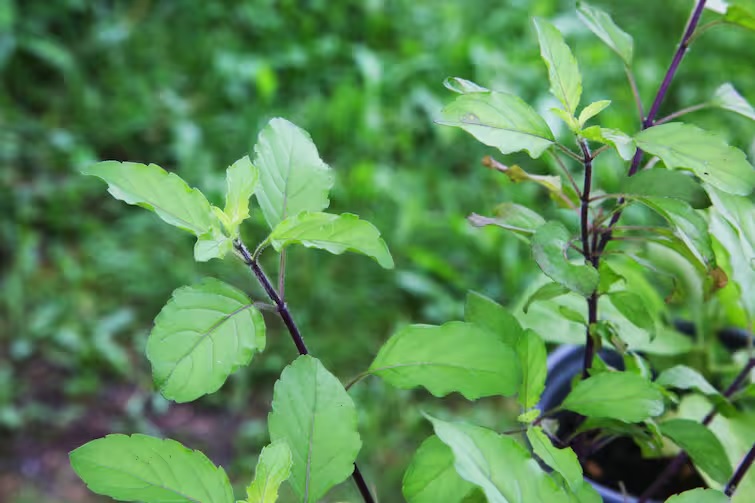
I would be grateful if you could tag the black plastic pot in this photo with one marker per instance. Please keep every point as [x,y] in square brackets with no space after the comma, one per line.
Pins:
[563,365]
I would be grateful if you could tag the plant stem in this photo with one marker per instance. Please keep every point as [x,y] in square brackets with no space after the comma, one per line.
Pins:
[635,91]
[592,301]
[683,111]
[681,50]
[681,458]
[739,474]
[293,330]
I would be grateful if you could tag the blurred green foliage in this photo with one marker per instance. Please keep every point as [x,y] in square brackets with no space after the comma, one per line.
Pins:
[187,85]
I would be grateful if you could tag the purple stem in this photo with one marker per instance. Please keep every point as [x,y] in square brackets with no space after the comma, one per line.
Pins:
[739,474]
[681,50]
[590,256]
[285,314]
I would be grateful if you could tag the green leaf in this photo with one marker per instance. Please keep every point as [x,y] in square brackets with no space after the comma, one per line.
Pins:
[688,225]
[572,315]
[563,461]
[704,153]
[431,476]
[661,182]
[728,98]
[622,142]
[532,356]
[456,356]
[490,315]
[333,233]
[601,24]
[212,244]
[545,292]
[741,13]
[618,395]
[591,111]
[633,308]
[293,178]
[203,334]
[315,416]
[148,469]
[241,181]
[563,72]
[702,446]
[683,377]
[520,220]
[497,464]
[273,468]
[463,86]
[608,277]
[549,246]
[699,496]
[499,120]
[529,416]
[151,187]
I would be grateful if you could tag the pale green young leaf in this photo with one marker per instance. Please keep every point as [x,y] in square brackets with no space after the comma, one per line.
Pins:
[431,476]
[728,98]
[699,496]
[273,468]
[545,292]
[601,24]
[499,120]
[549,246]
[333,233]
[151,187]
[151,470]
[520,220]
[490,315]
[463,86]
[241,179]
[315,416]
[591,111]
[292,177]
[618,395]
[532,358]
[563,72]
[687,224]
[212,244]
[661,182]
[563,461]
[454,357]
[706,154]
[497,464]
[702,446]
[633,308]
[204,333]
[529,416]
[622,142]
[741,13]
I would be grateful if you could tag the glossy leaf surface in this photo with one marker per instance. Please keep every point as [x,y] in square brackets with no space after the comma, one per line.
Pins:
[618,395]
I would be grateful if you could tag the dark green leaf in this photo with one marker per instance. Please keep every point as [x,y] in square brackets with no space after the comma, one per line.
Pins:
[490,315]
[618,395]
[549,246]
[601,24]
[431,476]
[563,72]
[702,445]
[499,120]
[705,154]
[202,335]
[661,182]
[608,277]
[148,469]
[456,356]
[315,416]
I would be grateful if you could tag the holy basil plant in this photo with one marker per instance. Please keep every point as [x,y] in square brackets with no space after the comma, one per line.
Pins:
[210,329]
[688,233]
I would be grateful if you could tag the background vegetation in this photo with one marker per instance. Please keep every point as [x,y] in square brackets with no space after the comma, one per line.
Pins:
[187,85]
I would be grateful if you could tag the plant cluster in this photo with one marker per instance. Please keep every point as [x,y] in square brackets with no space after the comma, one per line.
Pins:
[695,192]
